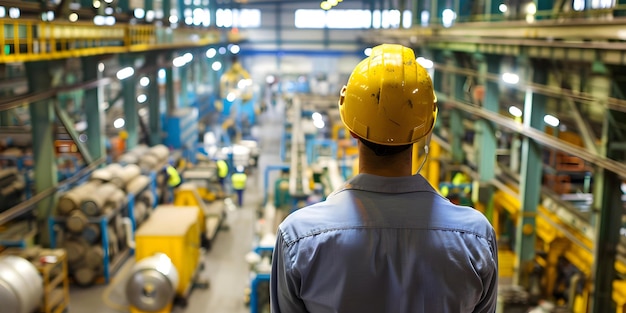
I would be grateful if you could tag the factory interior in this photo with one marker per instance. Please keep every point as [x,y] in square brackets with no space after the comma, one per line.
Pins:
[102,99]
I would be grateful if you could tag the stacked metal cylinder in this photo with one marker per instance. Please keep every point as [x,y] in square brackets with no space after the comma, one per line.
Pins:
[149,159]
[83,209]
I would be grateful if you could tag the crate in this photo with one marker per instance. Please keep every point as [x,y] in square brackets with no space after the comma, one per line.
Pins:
[52,266]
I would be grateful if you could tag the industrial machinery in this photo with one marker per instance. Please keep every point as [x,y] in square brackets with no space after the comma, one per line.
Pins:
[210,216]
[21,287]
[167,250]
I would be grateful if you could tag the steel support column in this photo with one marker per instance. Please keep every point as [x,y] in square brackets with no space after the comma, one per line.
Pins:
[42,123]
[5,118]
[95,118]
[154,102]
[530,179]
[457,131]
[183,92]
[607,204]
[485,136]
[170,91]
[131,118]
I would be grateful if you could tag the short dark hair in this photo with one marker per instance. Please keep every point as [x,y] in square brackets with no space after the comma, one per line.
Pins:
[384,150]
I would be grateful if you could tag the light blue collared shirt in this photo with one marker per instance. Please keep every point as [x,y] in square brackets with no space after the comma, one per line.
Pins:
[385,244]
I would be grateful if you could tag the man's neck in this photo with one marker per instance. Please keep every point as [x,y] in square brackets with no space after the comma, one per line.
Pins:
[396,165]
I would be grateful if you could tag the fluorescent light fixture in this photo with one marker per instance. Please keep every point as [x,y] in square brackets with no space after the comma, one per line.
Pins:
[367,51]
[161,74]
[144,81]
[234,49]
[447,17]
[142,98]
[319,123]
[73,17]
[503,8]
[316,116]
[243,83]
[425,63]
[325,5]
[139,13]
[125,73]
[211,53]
[510,78]
[101,67]
[515,111]
[216,66]
[551,120]
[173,19]
[119,123]
[425,18]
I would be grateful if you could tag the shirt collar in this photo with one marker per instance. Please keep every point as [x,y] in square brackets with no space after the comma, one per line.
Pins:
[404,184]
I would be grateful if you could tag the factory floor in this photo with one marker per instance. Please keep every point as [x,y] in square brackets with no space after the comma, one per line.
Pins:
[225,267]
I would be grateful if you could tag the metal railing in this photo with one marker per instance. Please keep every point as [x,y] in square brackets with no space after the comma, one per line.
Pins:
[33,40]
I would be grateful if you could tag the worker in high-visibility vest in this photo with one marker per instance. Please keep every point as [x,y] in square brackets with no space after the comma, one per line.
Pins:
[222,171]
[239,179]
[171,179]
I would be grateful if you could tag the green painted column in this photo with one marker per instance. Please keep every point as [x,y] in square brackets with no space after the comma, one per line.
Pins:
[154,102]
[170,91]
[607,204]
[129,94]
[183,78]
[485,139]
[95,125]
[530,179]
[167,11]
[42,123]
[5,118]
[457,131]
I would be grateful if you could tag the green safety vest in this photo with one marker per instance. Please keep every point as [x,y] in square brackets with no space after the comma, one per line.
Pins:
[173,179]
[239,181]
[222,168]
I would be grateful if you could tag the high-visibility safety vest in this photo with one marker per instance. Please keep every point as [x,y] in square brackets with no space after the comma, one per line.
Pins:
[173,178]
[239,181]
[222,168]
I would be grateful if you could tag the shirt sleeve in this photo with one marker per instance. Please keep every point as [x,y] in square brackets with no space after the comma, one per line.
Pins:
[284,282]
[488,301]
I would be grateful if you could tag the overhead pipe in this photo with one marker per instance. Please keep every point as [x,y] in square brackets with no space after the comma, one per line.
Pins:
[539,136]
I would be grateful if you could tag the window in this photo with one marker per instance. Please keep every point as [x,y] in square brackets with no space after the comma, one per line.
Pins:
[351,19]
[246,18]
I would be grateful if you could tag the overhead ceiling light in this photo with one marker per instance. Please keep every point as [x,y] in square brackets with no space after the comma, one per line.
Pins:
[325,5]
[551,120]
[515,111]
[510,78]
[125,73]
[425,63]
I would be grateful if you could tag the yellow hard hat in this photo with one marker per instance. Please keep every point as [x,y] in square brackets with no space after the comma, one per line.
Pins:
[389,98]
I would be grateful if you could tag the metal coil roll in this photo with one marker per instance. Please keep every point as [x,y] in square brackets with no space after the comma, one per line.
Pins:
[21,287]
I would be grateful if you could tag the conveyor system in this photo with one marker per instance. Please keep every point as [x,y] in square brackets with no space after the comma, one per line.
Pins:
[298,176]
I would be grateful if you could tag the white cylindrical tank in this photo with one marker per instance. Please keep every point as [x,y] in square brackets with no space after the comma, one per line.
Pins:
[21,287]
[152,283]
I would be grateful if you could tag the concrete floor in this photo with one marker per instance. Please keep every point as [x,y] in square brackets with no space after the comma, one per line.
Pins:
[225,267]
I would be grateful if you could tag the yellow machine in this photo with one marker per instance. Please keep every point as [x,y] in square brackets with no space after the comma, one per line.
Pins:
[168,255]
[209,216]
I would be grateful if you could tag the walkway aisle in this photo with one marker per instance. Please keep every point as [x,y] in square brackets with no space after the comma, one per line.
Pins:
[225,267]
